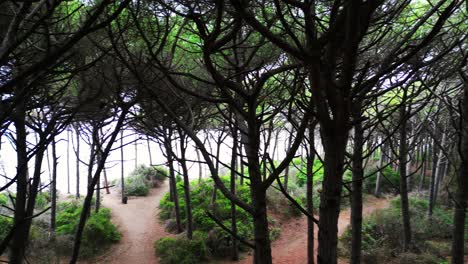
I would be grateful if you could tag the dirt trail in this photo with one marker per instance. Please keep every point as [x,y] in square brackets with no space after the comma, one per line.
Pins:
[137,220]
[291,246]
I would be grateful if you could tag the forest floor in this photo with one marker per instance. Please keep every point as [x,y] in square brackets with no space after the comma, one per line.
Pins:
[138,222]
[291,246]
[139,225]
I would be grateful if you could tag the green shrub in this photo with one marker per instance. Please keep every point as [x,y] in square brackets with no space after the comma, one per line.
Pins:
[99,231]
[3,199]
[382,231]
[201,193]
[5,225]
[182,250]
[387,183]
[151,173]
[42,200]
[143,178]
[301,176]
[136,185]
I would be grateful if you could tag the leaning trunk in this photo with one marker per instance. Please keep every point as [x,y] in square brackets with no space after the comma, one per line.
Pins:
[188,204]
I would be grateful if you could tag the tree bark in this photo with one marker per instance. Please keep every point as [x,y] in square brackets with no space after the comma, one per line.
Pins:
[90,190]
[188,203]
[53,187]
[310,195]
[425,161]
[379,173]
[77,162]
[356,194]
[262,251]
[334,140]
[235,251]
[149,151]
[122,179]
[461,196]
[19,239]
[286,172]
[437,171]
[172,180]
[68,161]
[403,150]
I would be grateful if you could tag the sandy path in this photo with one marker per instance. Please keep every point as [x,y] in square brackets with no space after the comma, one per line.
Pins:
[291,246]
[137,220]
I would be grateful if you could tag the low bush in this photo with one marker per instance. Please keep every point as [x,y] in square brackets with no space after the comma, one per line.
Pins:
[301,176]
[99,231]
[136,186]
[42,200]
[382,232]
[389,180]
[3,199]
[152,174]
[139,182]
[181,250]
[5,225]
[201,193]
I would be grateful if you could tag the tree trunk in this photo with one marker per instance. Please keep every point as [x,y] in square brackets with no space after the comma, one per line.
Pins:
[241,161]
[53,188]
[425,161]
[122,180]
[136,153]
[68,161]
[403,151]
[19,239]
[90,190]
[286,172]
[188,203]
[149,151]
[379,173]
[172,181]
[106,183]
[200,165]
[356,194]
[215,188]
[235,251]
[334,140]
[262,252]
[461,196]
[77,163]
[437,169]
[309,194]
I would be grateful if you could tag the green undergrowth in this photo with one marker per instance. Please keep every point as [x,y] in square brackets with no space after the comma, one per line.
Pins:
[181,250]
[99,232]
[382,235]
[389,182]
[217,242]
[143,178]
